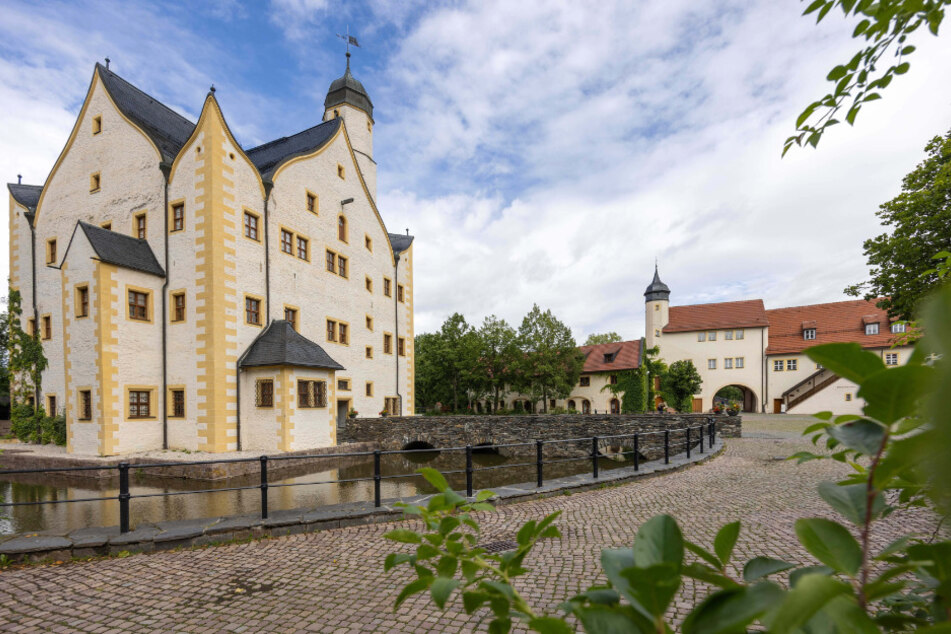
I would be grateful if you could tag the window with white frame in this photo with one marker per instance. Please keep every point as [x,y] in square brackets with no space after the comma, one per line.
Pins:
[738,362]
[891,358]
[728,335]
[712,335]
[739,334]
[778,365]
[871,329]
[701,336]
[728,363]
[898,327]
[711,364]
[792,364]
[809,334]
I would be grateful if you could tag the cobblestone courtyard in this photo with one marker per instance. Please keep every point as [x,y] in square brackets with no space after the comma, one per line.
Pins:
[333,581]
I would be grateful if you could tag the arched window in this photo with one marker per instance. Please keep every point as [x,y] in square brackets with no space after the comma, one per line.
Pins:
[341,228]
[615,406]
[585,407]
[571,405]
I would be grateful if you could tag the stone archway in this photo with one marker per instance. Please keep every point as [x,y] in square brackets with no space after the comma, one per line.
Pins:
[745,396]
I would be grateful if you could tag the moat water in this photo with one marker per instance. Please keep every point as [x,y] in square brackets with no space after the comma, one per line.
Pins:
[313,490]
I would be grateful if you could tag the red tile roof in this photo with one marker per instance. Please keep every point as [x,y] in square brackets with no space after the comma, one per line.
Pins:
[834,323]
[627,356]
[746,314]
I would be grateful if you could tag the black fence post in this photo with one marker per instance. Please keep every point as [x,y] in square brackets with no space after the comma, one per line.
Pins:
[376,478]
[666,446]
[637,452]
[539,462]
[688,442]
[124,497]
[469,471]
[263,487]
[594,456]
[701,439]
[713,432]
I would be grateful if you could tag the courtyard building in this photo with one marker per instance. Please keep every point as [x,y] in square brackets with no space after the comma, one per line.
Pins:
[194,294]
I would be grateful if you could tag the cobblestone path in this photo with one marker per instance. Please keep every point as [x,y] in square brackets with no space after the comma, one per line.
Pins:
[333,581]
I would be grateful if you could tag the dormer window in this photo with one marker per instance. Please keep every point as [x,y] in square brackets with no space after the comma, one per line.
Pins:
[871,329]
[609,357]
[898,327]
[809,334]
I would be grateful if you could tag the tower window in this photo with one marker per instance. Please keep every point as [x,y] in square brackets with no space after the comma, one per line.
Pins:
[340,171]
[94,182]
[82,301]
[141,226]
[85,404]
[341,228]
[311,202]
[97,124]
[401,347]
[399,293]
[51,251]
[178,216]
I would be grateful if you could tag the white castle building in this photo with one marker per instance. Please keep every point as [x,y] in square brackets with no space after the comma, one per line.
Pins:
[194,294]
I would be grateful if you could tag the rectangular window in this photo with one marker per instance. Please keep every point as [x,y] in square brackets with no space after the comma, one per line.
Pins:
[399,293]
[711,364]
[387,287]
[311,203]
[51,405]
[369,323]
[369,352]
[178,307]
[368,243]
[178,403]
[340,171]
[97,124]
[898,327]
[727,363]
[891,358]
[311,394]
[401,347]
[290,315]
[139,403]
[701,336]
[138,306]
[264,393]
[82,301]
[342,229]
[47,327]
[584,381]
[331,330]
[387,343]
[369,283]
[250,226]
[369,388]
[739,362]
[778,366]
[343,334]
[302,248]
[391,405]
[178,216]
[728,335]
[848,396]
[871,329]
[51,251]
[613,379]
[343,384]
[739,334]
[331,261]
[341,266]
[712,335]
[809,334]
[85,404]
[792,364]
[141,226]
[252,311]
[95,181]
[287,241]
[31,325]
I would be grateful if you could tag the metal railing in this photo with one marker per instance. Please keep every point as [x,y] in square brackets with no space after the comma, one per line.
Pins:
[125,497]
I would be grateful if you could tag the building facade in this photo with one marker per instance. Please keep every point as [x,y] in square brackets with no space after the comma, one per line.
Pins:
[193,294]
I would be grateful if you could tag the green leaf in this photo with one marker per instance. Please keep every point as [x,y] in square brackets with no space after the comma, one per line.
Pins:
[851,500]
[600,596]
[902,68]
[815,427]
[802,602]
[441,588]
[435,478]
[861,435]
[412,588]
[846,614]
[759,567]
[837,73]
[448,524]
[652,588]
[725,540]
[659,541]
[550,625]
[730,611]
[703,553]
[404,536]
[526,533]
[823,415]
[707,575]
[447,566]
[830,543]
[426,551]
[815,5]
[395,559]
[473,600]
[894,394]
[798,573]
[896,546]
[500,626]
[604,619]
[484,495]
[848,360]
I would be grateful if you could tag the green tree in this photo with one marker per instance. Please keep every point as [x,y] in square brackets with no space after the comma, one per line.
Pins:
[26,361]
[656,369]
[429,383]
[679,384]
[550,364]
[902,260]
[632,388]
[605,337]
[885,25]
[730,393]
[457,353]
[498,357]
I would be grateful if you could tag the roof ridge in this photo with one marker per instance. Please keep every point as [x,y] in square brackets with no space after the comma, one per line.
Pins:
[844,301]
[285,138]
[142,92]
[735,301]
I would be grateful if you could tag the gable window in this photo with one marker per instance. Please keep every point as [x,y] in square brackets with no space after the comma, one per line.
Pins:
[368,353]
[178,403]
[264,393]
[140,226]
[85,404]
[331,261]
[341,266]
[387,287]
[738,362]
[871,329]
[584,381]
[891,358]
[401,347]
[250,226]
[140,403]
[369,323]
[311,202]
[369,283]
[290,315]
[51,251]
[898,327]
[792,364]
[138,306]
[95,181]
[252,311]
[107,226]
[341,228]
[302,248]
[778,366]
[368,243]
[311,394]
[711,364]
[809,334]
[97,124]
[712,335]
[387,343]
[82,301]
[287,241]
[701,336]
[848,396]
[178,216]
[728,363]
[739,334]
[178,307]
[399,292]
[47,327]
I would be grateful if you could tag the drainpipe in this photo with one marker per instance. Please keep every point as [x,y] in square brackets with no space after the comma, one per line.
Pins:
[166,169]
[268,186]
[37,387]
[396,328]
[764,366]
[237,412]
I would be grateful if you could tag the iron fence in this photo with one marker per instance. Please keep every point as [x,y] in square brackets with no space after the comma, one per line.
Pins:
[707,432]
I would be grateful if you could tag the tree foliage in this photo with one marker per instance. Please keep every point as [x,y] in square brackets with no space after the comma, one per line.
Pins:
[919,218]
[885,26]
[550,363]
[26,361]
[605,337]
[679,384]
[498,357]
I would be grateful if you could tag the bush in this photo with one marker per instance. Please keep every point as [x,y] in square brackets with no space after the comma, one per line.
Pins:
[53,430]
[25,423]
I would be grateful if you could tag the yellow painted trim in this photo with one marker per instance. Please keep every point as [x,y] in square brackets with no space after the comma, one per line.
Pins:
[401,343]
[153,401]
[316,210]
[341,172]
[334,253]
[95,182]
[106,225]
[369,324]
[171,215]
[262,310]
[97,125]
[43,329]
[345,267]
[385,336]
[368,284]
[259,225]
[171,306]
[346,229]
[257,383]
[143,213]
[368,242]
[79,408]
[288,394]
[67,378]
[297,238]
[107,315]
[149,305]
[77,302]
[349,381]
[280,241]
[297,312]
[338,323]
[400,294]
[368,389]
[171,401]
[387,287]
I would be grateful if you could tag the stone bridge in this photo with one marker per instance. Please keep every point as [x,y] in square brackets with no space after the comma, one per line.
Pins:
[425,432]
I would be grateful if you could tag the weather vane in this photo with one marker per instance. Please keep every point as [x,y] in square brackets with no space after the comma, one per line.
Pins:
[349,39]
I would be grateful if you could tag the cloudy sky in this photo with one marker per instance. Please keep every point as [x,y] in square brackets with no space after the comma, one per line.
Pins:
[539,151]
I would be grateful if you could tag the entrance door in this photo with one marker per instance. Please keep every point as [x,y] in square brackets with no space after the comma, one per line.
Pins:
[697,405]
[777,406]
[343,409]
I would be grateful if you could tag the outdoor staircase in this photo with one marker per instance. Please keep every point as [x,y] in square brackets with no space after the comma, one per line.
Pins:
[816,382]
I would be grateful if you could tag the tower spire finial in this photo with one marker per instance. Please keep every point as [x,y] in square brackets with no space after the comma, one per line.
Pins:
[349,39]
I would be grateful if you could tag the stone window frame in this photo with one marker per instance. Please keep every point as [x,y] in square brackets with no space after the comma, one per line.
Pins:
[173,304]
[81,300]
[341,172]
[368,389]
[295,323]
[330,261]
[391,404]
[344,384]
[400,294]
[149,304]
[95,182]
[584,381]
[84,403]
[150,391]
[368,242]
[335,330]
[289,243]
[260,393]
[343,229]
[172,389]
[401,346]
[173,207]
[260,310]
[46,326]
[311,394]
[256,228]
[343,266]
[51,252]
[368,352]
[369,321]
[711,335]
[51,403]
[387,343]
[140,232]
[311,202]
[97,125]
[387,287]
[368,283]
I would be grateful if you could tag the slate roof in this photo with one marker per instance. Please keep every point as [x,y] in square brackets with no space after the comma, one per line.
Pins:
[836,322]
[168,129]
[280,344]
[605,357]
[26,195]
[348,89]
[122,250]
[270,156]
[744,314]
[400,242]
[657,289]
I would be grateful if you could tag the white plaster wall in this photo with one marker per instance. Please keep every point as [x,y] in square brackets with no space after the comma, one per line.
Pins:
[312,427]
[360,131]
[832,399]
[656,316]
[260,426]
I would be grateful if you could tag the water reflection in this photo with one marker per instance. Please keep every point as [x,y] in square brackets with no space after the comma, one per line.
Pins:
[313,490]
